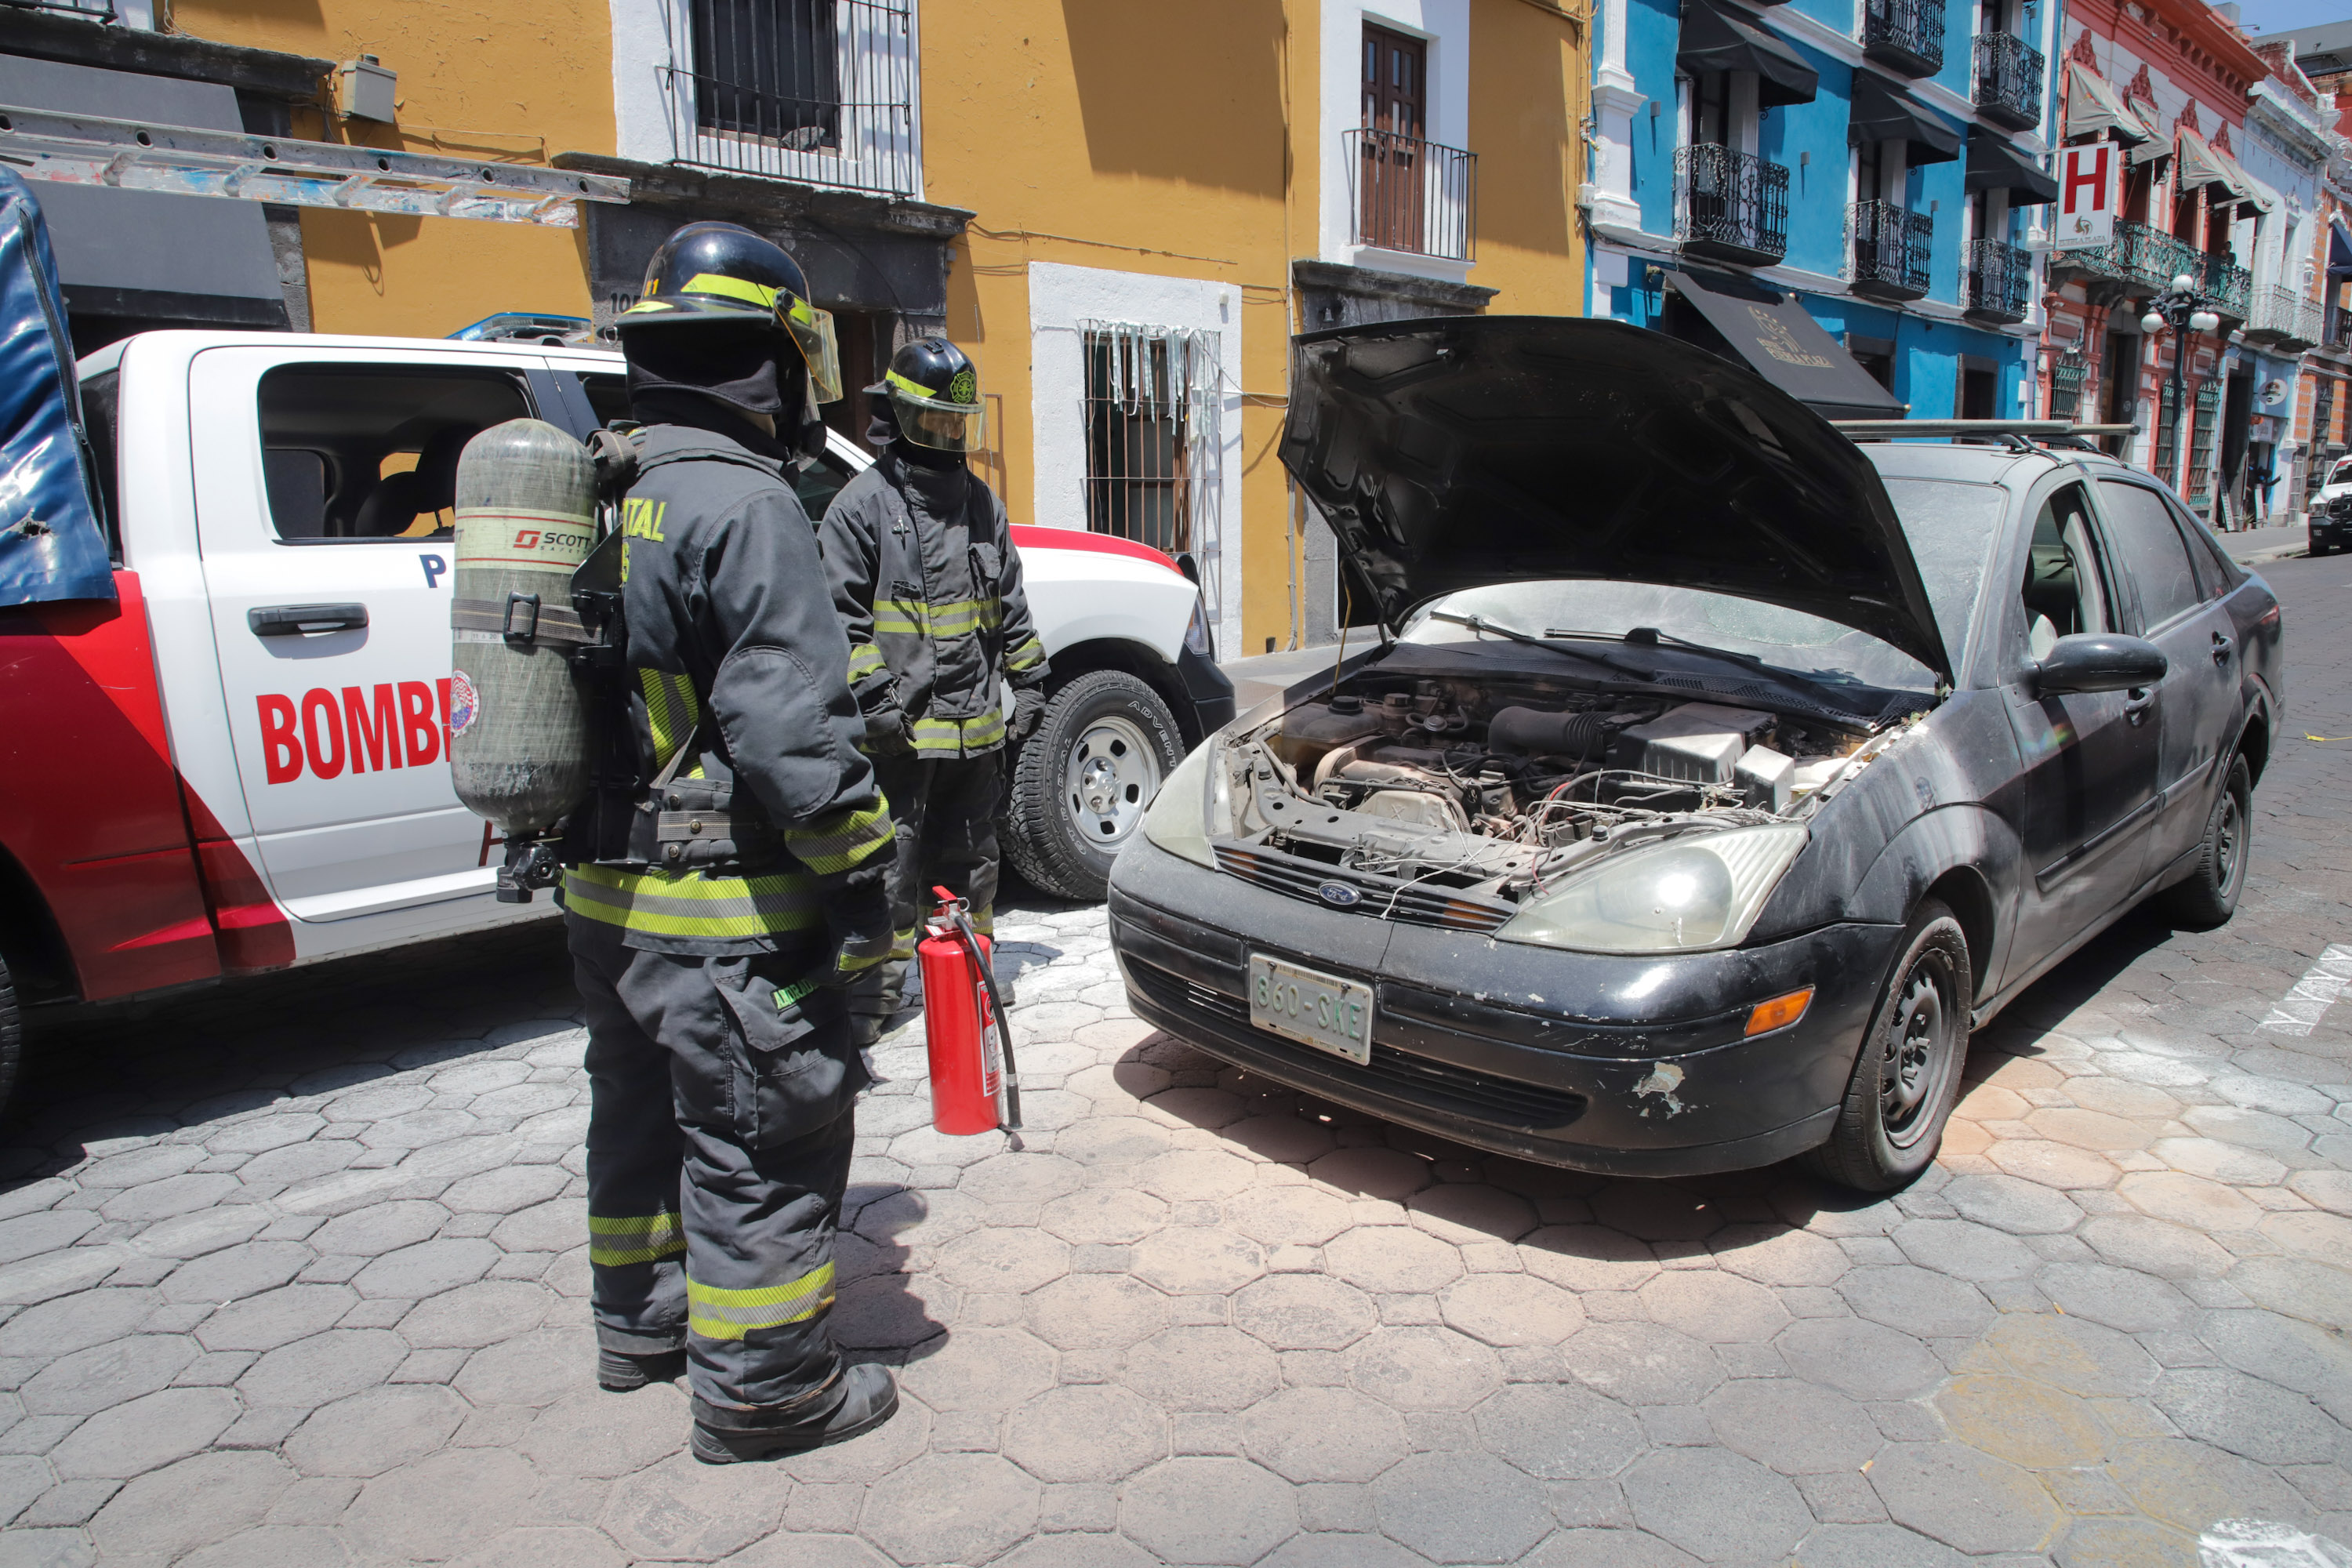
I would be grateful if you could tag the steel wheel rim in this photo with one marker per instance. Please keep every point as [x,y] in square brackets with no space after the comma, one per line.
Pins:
[1111,775]
[1916,1056]
[2228,839]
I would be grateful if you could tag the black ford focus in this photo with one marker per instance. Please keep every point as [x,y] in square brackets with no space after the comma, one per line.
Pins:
[1710,772]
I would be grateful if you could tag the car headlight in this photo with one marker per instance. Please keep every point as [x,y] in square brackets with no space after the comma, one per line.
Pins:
[1684,894]
[1196,630]
[1190,799]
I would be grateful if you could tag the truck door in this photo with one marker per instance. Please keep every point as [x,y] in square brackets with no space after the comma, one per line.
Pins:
[324,483]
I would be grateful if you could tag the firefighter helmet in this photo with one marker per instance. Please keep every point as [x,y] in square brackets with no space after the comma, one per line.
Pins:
[934,390]
[722,272]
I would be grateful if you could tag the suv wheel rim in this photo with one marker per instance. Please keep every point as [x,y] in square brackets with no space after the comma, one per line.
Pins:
[1111,776]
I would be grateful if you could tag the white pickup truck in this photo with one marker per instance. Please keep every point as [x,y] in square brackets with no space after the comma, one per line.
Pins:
[241,763]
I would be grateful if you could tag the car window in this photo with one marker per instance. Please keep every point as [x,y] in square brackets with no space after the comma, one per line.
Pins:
[2063,592]
[817,484]
[358,453]
[2150,551]
[1950,527]
[2216,573]
[2342,474]
[608,394]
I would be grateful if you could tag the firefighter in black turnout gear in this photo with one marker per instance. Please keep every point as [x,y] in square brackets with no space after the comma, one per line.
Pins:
[925,574]
[729,876]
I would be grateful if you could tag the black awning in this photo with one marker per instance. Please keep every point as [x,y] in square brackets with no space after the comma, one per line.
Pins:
[1780,342]
[1883,114]
[1994,165]
[1714,41]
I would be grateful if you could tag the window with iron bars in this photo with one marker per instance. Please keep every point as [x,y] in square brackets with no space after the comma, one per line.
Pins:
[822,91]
[1139,442]
[769,69]
[2200,437]
[2164,467]
[2066,378]
[2323,416]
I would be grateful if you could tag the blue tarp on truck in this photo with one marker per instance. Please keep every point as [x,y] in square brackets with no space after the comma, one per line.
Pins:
[52,545]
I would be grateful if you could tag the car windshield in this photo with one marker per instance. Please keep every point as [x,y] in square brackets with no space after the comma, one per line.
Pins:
[2341,474]
[1949,527]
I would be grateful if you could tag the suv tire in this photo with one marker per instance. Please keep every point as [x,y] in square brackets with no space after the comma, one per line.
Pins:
[1907,1075]
[1083,778]
[2210,895]
[11,1034]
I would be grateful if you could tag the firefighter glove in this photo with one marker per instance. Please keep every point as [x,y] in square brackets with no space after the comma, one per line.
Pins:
[1028,707]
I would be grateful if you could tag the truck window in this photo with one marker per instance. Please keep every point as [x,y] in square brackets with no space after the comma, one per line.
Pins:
[608,394]
[356,453]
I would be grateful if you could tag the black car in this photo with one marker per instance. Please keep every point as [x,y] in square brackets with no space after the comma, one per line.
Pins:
[1709,775]
[2328,524]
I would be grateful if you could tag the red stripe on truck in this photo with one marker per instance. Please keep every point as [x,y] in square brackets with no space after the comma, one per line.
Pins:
[1029,536]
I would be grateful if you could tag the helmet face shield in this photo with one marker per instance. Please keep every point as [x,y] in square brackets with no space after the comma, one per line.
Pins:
[810,331]
[936,422]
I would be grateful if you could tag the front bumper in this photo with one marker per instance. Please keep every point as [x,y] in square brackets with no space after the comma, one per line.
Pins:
[1626,1065]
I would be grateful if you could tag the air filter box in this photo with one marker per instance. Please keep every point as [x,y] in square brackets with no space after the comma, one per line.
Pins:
[1699,742]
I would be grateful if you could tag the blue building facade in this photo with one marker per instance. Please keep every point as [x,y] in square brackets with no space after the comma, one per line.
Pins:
[1879,166]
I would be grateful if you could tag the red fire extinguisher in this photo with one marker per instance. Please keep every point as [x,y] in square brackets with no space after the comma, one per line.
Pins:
[974,1088]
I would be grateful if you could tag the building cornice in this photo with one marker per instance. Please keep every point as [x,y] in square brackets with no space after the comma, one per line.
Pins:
[731,196]
[267,73]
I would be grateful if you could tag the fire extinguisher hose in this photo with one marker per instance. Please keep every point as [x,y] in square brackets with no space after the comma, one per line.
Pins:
[970,939]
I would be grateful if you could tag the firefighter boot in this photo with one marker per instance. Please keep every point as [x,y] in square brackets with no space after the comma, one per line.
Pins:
[618,1372]
[870,1397]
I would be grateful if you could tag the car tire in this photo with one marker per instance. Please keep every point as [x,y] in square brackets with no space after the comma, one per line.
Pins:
[1083,779]
[2209,896]
[11,1034]
[1907,1075]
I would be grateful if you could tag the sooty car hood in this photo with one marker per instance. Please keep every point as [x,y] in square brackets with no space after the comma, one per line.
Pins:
[1463,451]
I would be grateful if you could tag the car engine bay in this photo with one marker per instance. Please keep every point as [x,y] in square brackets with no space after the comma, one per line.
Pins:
[1496,789]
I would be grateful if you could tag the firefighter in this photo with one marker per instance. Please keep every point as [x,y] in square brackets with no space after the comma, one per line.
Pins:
[925,574]
[714,973]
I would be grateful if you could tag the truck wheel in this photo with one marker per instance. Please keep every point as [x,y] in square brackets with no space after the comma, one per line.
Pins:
[11,1034]
[2210,897]
[1908,1073]
[1082,780]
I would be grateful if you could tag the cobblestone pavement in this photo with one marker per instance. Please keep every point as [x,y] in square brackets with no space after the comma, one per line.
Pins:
[293,1273]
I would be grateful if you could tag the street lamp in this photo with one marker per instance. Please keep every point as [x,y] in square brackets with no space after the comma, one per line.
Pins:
[2180,308]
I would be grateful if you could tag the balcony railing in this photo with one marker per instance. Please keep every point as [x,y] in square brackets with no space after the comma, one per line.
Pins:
[1890,248]
[1995,280]
[2144,257]
[2009,80]
[850,124]
[1730,205]
[80,10]
[2283,317]
[2227,285]
[1410,195]
[1905,34]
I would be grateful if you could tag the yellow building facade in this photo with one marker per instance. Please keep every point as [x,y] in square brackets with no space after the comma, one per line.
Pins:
[1123,212]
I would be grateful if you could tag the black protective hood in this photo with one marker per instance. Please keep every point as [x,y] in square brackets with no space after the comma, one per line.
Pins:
[1468,450]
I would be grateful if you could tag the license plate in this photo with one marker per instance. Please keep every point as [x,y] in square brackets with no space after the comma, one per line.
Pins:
[1320,1010]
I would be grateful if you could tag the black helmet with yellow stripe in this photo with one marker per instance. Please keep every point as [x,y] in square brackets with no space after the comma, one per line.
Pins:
[934,391]
[722,273]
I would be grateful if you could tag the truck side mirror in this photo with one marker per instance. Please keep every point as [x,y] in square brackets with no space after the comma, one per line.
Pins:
[2098,661]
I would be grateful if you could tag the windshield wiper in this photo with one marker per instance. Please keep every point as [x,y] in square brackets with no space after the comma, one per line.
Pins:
[1482,624]
[1651,635]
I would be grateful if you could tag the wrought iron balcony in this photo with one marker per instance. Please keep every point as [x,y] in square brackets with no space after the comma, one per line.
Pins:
[1730,205]
[2285,318]
[1995,282]
[1906,36]
[2227,285]
[1410,195]
[2139,256]
[2009,80]
[2066,377]
[1890,248]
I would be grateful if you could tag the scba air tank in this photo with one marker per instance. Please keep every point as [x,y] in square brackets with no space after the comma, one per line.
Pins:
[518,725]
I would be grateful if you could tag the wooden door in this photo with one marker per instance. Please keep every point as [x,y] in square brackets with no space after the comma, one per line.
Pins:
[1389,210]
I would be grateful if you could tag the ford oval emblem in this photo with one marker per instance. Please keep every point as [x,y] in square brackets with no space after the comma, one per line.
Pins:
[1339,895]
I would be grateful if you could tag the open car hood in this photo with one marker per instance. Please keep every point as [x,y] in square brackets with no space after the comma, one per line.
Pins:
[1463,451]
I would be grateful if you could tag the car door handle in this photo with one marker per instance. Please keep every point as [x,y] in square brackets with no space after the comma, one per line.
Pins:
[2221,647]
[2138,702]
[299,620]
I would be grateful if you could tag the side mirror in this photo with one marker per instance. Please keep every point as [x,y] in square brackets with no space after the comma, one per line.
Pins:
[2098,661]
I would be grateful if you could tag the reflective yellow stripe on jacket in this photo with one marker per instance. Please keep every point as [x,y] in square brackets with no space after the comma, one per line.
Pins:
[957,737]
[1026,657]
[689,904]
[717,1314]
[952,618]
[841,840]
[634,1238]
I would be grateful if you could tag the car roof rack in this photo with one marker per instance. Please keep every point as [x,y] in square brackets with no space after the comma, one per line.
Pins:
[2020,435]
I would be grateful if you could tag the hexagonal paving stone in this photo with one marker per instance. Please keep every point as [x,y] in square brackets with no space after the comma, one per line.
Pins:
[1303,1311]
[1559,1432]
[2219,1162]
[379,1228]
[1879,1546]
[891,1311]
[238,1272]
[1112,1140]
[1966,1249]
[478,1314]
[1323,1435]
[1471,1212]
[105,1376]
[1392,1258]
[428,1268]
[1202,1368]
[549,1226]
[1589,1257]
[1510,1309]
[2325,1237]
[1206,1510]
[1424,1369]
[537,1368]
[2286,1351]
[145,1434]
[1797,1427]
[275,1318]
[2156,1247]
[1197,1260]
[1865,1360]
[1183,1175]
[2022,1422]
[1301,1214]
[2266,1424]
[323,1368]
[2039,1163]
[1916,1301]
[507,1190]
[1967,1499]
[1714,1504]
[981,1369]
[1656,1211]
[1112,1215]
[1606,1549]
[2189,1484]
[1288,1139]
[1096,1311]
[1003,1260]
[2298,1287]
[171,1195]
[2089,1129]
[1028,1177]
[588,1432]
[2074,1355]
[1710,1305]
[1778,1256]
[1642,1363]
[682,1510]
[76,1322]
[1065,1551]
[1373,1173]
[197,1501]
[2010,1204]
[1462,1508]
[2119,1297]
[1089,1433]
[375,1430]
[577,1546]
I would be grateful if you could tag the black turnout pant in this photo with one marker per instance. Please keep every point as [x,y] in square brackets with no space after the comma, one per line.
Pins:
[944,810]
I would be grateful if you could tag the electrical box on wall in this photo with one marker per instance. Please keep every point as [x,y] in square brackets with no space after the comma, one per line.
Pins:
[363,90]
